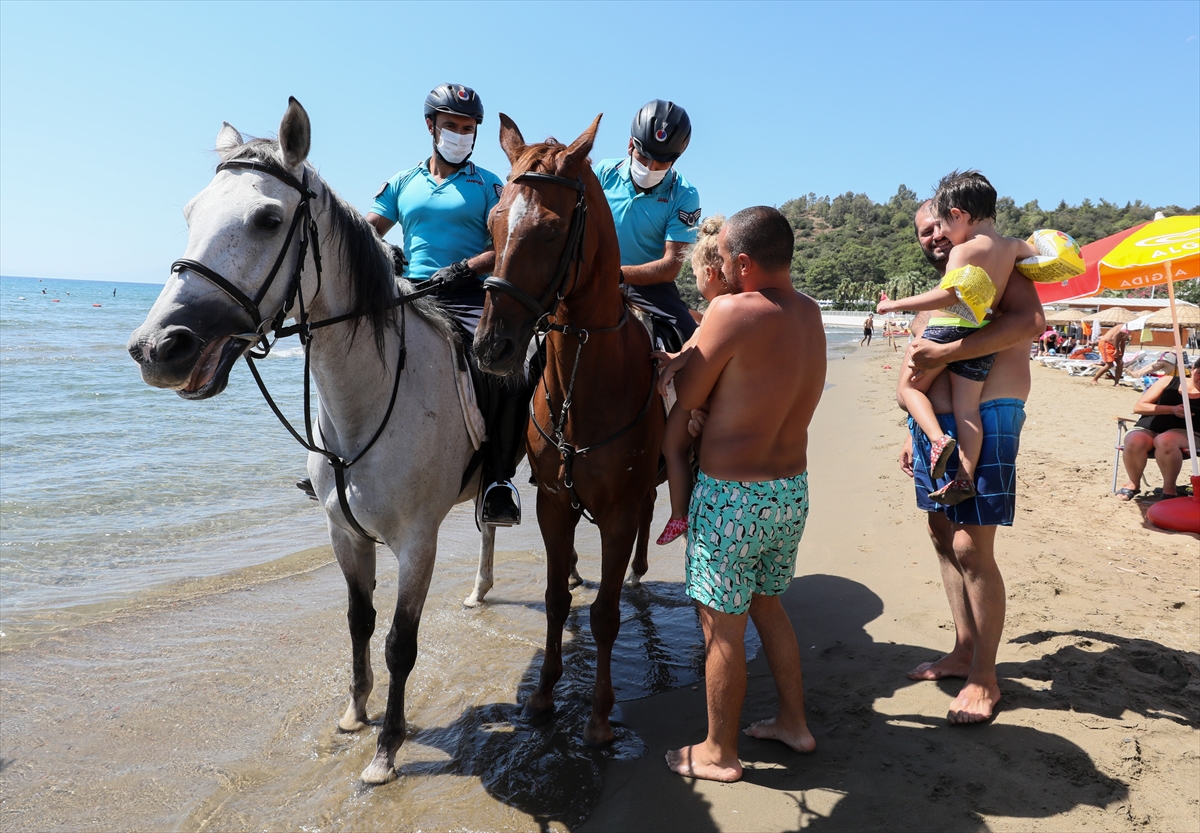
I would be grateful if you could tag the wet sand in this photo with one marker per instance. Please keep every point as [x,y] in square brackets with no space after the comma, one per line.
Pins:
[217,710]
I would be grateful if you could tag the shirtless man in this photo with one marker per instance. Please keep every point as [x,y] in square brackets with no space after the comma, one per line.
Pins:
[964,535]
[759,360]
[1112,352]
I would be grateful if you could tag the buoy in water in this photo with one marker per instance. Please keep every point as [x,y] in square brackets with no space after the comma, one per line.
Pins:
[55,301]
[95,305]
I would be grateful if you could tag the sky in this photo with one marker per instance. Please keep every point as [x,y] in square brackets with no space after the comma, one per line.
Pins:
[109,111]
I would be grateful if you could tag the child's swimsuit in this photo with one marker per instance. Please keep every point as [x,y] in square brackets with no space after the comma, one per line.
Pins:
[743,538]
[975,292]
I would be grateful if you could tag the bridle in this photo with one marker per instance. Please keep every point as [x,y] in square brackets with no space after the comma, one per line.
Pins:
[571,253]
[544,309]
[302,221]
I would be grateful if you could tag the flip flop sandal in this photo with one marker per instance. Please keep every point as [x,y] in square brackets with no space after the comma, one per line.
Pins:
[954,493]
[1127,494]
[674,528]
[939,455]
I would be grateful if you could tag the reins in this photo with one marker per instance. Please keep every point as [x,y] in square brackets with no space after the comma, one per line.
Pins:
[302,220]
[572,255]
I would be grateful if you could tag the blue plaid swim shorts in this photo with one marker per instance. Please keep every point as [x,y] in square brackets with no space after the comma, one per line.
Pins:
[742,539]
[995,473]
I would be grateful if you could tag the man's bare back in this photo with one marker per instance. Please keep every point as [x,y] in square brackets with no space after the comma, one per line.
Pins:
[760,360]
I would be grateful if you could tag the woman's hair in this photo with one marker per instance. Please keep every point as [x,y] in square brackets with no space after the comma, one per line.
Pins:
[704,249]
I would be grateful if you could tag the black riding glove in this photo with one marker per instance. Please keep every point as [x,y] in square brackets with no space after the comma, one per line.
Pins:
[456,274]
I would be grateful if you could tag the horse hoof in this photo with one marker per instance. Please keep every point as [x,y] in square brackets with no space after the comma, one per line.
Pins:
[472,601]
[575,580]
[598,736]
[535,716]
[352,724]
[378,772]
[633,580]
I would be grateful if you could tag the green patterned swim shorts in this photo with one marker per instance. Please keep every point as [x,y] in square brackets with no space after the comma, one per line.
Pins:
[742,539]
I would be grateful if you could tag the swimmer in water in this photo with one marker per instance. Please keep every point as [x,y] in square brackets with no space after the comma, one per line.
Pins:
[976,274]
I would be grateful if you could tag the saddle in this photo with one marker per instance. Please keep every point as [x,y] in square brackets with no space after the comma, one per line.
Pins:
[664,335]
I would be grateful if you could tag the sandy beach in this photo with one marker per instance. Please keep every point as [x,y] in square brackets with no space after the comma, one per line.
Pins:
[217,710]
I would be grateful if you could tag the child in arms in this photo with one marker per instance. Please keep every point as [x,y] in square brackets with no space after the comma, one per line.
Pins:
[677,440]
[977,272]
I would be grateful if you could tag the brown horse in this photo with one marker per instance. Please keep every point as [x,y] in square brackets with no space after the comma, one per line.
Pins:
[595,429]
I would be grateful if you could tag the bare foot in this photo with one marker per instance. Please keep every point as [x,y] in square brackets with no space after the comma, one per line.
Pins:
[947,666]
[697,762]
[798,738]
[974,704]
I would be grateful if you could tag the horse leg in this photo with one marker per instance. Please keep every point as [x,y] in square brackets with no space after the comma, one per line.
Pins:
[575,579]
[356,557]
[616,541]
[487,560]
[558,533]
[416,559]
[640,562]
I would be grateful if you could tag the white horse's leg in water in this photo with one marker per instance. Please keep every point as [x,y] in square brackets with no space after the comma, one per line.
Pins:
[415,555]
[487,560]
[356,557]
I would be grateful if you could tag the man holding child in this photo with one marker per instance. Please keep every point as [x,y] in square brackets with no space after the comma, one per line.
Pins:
[759,362]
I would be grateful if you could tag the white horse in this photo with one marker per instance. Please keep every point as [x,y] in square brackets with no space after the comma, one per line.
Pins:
[264,208]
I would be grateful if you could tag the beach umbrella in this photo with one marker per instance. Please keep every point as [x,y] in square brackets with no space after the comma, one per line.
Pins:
[1113,315]
[1188,315]
[1133,259]
[1060,317]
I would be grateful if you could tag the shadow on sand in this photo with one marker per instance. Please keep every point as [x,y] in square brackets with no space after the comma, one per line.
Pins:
[896,771]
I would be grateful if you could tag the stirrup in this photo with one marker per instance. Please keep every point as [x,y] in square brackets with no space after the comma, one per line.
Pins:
[481,514]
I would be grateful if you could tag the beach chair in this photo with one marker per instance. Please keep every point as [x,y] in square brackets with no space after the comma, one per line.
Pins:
[1122,428]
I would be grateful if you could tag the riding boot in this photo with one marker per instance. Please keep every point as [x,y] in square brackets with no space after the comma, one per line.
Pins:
[501,503]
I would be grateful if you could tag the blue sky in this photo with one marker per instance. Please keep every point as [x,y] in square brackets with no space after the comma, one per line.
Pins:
[109,111]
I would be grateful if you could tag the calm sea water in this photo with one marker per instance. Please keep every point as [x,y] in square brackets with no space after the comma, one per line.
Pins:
[109,487]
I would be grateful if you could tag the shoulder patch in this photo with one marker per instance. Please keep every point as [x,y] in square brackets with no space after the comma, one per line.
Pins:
[382,188]
[498,188]
[689,219]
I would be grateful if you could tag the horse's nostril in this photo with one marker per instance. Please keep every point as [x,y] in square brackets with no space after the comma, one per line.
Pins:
[175,344]
[502,351]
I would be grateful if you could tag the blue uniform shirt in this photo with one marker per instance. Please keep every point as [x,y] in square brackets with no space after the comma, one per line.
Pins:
[668,211]
[645,222]
[444,223]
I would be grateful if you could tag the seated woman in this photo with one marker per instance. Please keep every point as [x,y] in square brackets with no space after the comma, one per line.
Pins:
[1163,430]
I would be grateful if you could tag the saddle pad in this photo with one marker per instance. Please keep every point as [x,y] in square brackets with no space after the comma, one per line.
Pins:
[647,321]
[472,417]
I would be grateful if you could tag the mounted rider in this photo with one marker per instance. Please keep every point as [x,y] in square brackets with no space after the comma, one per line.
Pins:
[656,211]
[442,207]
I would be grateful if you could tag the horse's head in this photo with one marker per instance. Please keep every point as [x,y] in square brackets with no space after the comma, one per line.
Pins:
[538,230]
[244,234]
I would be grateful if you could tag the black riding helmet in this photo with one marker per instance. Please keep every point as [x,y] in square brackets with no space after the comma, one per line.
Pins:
[661,130]
[456,99]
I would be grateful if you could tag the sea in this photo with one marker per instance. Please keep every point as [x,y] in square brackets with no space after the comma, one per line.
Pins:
[156,558]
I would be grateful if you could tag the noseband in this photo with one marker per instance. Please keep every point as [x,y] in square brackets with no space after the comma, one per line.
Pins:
[302,220]
[572,253]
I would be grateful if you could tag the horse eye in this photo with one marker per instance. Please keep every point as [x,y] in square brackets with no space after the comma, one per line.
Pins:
[267,221]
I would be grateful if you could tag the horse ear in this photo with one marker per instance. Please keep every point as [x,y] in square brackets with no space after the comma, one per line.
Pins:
[511,139]
[295,134]
[581,147]
[228,138]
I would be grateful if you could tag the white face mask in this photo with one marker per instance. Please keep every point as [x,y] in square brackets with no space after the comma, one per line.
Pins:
[643,177]
[454,147]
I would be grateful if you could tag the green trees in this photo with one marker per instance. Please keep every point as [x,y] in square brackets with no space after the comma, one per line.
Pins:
[848,248]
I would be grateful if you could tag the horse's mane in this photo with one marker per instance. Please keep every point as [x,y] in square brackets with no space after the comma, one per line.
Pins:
[373,283]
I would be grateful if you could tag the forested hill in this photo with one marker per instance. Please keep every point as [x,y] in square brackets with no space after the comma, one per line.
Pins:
[849,247]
